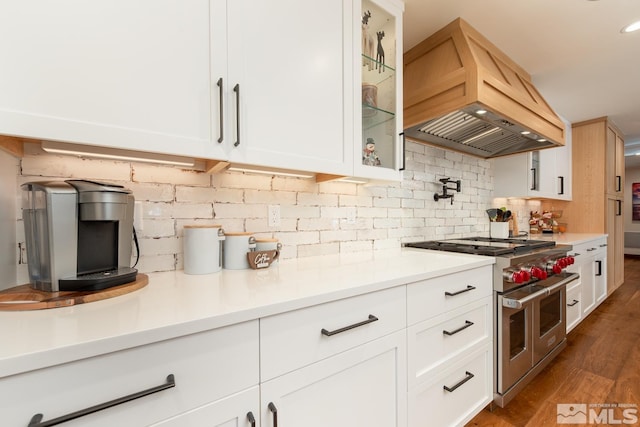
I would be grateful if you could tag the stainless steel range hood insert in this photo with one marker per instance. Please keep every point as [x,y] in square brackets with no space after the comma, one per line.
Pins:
[462,93]
[482,134]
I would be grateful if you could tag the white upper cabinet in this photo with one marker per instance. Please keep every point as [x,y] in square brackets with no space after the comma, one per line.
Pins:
[290,63]
[544,174]
[266,83]
[111,73]
[378,143]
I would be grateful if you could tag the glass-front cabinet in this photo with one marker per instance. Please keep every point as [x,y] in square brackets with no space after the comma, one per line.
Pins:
[379,142]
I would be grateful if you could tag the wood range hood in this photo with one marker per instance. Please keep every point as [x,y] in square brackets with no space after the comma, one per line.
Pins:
[462,93]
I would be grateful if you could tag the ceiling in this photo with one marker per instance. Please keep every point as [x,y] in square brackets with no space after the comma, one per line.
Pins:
[577,57]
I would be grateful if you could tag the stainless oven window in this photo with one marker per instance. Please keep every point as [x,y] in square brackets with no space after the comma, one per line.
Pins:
[517,333]
[550,313]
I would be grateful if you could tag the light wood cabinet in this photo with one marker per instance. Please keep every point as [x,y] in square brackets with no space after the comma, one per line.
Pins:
[597,206]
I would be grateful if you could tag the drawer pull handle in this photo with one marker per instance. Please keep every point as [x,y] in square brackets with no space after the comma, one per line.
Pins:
[274,411]
[251,419]
[591,249]
[36,420]
[575,301]
[236,89]
[452,294]
[467,323]
[221,138]
[371,319]
[468,376]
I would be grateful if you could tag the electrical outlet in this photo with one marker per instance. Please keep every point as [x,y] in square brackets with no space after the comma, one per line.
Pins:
[138,223]
[274,215]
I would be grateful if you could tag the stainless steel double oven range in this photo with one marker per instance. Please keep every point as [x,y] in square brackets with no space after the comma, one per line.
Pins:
[529,283]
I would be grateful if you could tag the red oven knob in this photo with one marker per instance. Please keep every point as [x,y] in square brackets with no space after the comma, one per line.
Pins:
[557,269]
[562,262]
[571,260]
[513,276]
[526,275]
[538,273]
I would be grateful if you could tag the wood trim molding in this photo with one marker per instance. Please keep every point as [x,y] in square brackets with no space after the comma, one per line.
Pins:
[12,145]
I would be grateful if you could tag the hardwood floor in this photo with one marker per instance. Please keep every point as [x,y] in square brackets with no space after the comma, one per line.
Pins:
[600,366]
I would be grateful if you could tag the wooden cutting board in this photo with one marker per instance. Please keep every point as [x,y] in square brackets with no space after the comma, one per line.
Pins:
[24,297]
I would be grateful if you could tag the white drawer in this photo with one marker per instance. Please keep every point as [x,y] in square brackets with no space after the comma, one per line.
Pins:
[591,247]
[574,305]
[437,341]
[431,404]
[432,297]
[294,339]
[206,366]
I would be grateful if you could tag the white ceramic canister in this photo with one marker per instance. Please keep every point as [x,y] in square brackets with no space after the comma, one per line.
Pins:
[236,246]
[499,230]
[203,248]
[264,244]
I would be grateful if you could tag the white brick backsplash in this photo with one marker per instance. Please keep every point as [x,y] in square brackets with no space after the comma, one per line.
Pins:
[346,200]
[298,238]
[151,192]
[317,224]
[241,180]
[158,228]
[372,212]
[197,194]
[316,219]
[270,197]
[315,199]
[386,202]
[338,235]
[161,246]
[170,175]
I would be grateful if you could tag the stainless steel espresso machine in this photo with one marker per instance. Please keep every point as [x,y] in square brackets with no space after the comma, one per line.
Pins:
[78,234]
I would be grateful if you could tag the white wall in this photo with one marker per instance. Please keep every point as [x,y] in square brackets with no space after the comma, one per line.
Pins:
[8,246]
[317,219]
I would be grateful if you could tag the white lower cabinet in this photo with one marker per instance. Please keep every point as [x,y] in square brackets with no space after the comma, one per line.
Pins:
[454,394]
[574,305]
[364,386]
[591,287]
[205,367]
[240,409]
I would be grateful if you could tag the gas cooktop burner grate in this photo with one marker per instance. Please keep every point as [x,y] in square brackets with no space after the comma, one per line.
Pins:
[484,246]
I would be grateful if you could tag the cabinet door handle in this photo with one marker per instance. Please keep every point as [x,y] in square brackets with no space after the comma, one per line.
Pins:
[599,273]
[452,294]
[36,420]
[274,411]
[619,213]
[468,376]
[561,184]
[371,319]
[467,323]
[618,183]
[236,89]
[533,179]
[251,419]
[221,138]
[575,301]
[404,151]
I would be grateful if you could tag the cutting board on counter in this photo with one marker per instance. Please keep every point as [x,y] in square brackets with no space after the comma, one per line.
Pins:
[24,297]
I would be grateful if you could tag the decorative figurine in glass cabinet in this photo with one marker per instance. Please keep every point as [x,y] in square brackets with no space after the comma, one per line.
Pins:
[369,155]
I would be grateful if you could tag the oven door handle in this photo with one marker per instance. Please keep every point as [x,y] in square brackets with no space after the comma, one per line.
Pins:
[519,303]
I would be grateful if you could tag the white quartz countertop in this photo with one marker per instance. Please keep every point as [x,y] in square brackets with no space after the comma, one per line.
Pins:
[175,304]
[568,238]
